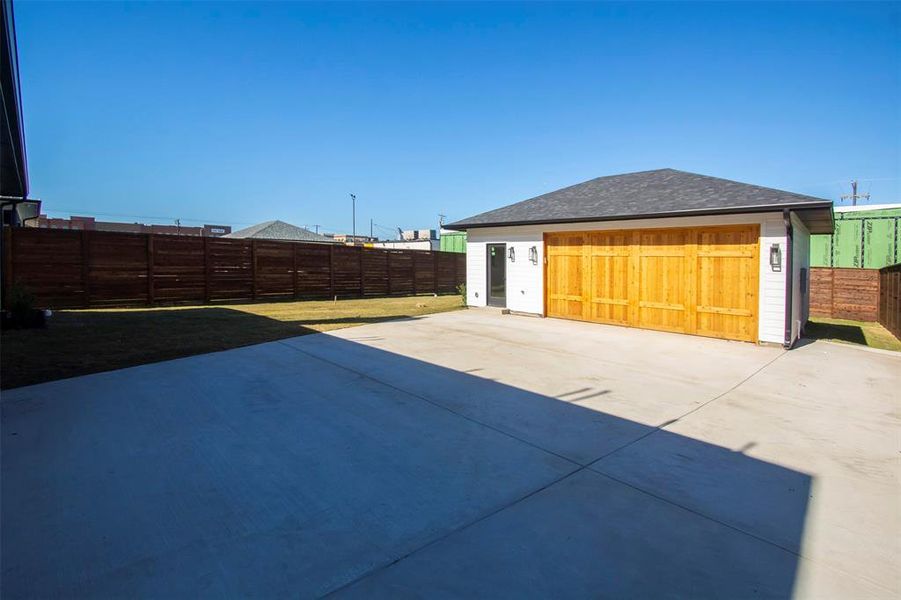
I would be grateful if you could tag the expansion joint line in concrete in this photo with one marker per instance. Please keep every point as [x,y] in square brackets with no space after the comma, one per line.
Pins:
[579,467]
[675,420]
[433,403]
[440,538]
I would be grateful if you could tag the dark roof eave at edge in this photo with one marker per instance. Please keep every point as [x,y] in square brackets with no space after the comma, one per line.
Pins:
[463,226]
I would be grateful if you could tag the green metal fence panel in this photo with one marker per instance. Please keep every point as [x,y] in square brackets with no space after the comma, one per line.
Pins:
[879,243]
[453,242]
[846,244]
[862,239]
[821,251]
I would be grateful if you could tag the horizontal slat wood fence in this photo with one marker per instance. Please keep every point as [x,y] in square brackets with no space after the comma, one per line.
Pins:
[82,269]
[844,293]
[890,299]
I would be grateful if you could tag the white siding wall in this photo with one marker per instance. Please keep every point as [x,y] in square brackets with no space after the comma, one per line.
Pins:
[771,327]
[800,260]
[525,281]
[476,275]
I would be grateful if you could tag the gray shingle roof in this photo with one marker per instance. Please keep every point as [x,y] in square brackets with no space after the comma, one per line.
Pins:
[279,230]
[663,192]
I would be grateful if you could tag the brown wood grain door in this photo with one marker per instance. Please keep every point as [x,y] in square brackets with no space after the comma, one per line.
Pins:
[727,282]
[566,293]
[701,280]
[663,279]
[608,272]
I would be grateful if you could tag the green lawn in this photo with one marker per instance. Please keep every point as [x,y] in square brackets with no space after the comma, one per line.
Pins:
[78,342]
[862,333]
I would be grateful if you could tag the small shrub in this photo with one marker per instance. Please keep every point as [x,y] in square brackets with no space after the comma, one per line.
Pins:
[20,300]
[461,289]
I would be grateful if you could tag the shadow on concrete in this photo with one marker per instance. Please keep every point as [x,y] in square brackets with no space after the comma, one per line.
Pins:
[319,464]
[79,343]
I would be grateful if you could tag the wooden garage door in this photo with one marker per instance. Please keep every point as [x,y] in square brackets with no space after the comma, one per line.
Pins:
[699,280]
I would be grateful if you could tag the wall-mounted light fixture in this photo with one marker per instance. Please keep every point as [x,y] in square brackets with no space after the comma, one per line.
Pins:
[511,254]
[776,257]
[533,255]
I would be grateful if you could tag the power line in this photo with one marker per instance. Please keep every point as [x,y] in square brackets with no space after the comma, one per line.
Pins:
[853,196]
[383,228]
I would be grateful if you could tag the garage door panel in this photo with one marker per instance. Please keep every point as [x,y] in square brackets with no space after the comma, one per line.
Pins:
[617,243]
[661,291]
[610,288]
[695,280]
[662,242]
[727,289]
[723,282]
[609,277]
[566,283]
[662,279]
[566,267]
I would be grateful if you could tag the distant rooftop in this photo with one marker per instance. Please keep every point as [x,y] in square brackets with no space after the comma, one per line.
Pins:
[279,230]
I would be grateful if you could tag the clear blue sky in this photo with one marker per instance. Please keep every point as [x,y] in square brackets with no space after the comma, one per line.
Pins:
[238,113]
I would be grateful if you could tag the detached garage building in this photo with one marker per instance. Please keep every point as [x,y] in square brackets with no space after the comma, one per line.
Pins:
[663,249]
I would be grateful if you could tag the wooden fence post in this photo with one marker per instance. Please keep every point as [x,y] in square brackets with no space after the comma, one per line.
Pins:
[362,287]
[85,268]
[413,262]
[253,262]
[150,261]
[207,292]
[295,288]
[434,272]
[456,272]
[331,271]
[388,267]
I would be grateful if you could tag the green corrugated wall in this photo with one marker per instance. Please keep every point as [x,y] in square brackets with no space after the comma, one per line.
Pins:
[862,239]
[453,242]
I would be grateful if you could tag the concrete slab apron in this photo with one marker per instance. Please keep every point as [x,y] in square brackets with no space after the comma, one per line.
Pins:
[723,464]
[259,471]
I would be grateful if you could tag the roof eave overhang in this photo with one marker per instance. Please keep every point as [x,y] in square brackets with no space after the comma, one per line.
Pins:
[812,214]
[817,220]
[13,167]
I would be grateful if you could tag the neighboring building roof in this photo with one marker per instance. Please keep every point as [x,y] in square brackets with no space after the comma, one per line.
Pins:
[659,193]
[80,223]
[866,207]
[279,230]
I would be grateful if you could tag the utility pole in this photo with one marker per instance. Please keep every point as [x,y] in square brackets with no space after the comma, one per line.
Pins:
[353,200]
[370,230]
[854,195]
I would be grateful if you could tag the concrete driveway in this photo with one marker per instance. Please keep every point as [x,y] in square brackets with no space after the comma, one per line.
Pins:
[462,454]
